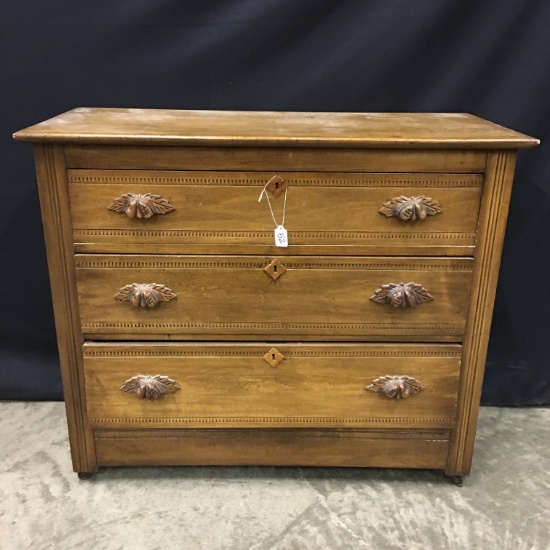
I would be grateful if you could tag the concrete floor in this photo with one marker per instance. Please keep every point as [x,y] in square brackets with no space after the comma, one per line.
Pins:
[504,504]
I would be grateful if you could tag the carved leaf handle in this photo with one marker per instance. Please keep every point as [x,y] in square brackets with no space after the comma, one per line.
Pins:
[141,206]
[401,295]
[147,386]
[410,208]
[145,294]
[395,387]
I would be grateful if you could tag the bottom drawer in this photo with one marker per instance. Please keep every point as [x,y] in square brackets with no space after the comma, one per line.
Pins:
[374,448]
[277,385]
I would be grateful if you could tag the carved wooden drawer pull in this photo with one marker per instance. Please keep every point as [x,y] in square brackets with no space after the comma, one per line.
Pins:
[149,387]
[141,206]
[401,295]
[395,387]
[410,208]
[145,294]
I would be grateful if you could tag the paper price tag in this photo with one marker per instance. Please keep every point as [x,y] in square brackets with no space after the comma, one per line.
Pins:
[281,237]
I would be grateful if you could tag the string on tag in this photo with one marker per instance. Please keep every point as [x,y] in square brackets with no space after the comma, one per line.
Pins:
[280,233]
[264,192]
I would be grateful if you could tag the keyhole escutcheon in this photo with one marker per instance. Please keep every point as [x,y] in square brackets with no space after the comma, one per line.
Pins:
[273,357]
[275,269]
[276,185]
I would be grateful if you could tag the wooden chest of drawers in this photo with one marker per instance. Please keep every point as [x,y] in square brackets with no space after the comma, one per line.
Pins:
[187,337]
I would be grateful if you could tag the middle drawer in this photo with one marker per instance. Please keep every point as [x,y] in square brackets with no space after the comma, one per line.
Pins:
[251,297]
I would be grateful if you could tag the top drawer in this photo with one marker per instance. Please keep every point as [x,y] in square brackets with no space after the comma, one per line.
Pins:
[218,212]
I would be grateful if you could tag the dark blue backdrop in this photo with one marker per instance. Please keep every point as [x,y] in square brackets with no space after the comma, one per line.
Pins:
[489,57]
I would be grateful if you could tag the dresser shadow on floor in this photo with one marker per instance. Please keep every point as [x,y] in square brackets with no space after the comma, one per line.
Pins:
[239,474]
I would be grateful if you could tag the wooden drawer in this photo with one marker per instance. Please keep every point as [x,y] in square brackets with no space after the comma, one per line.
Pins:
[216,212]
[224,297]
[371,447]
[232,385]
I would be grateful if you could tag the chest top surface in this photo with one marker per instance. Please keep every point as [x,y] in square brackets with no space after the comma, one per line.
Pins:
[268,129]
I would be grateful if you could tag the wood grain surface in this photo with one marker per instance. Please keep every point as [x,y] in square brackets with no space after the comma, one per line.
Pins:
[323,296]
[222,209]
[273,159]
[233,386]
[230,128]
[273,447]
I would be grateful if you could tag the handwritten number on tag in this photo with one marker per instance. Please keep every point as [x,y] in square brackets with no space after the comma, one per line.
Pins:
[281,237]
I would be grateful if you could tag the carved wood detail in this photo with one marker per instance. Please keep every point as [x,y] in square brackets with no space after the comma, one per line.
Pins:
[443,421]
[442,328]
[141,206]
[149,387]
[161,350]
[395,387]
[320,235]
[410,208]
[145,294]
[402,295]
[152,262]
[255,179]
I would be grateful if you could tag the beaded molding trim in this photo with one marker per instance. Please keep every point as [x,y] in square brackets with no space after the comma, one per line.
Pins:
[255,179]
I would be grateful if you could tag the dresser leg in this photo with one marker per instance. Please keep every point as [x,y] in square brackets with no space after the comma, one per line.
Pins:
[456,480]
[85,475]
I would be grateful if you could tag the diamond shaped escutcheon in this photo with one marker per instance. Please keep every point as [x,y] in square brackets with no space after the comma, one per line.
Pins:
[275,269]
[273,357]
[276,185]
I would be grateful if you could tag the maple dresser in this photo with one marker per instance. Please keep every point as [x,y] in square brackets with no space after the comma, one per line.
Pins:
[188,335]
